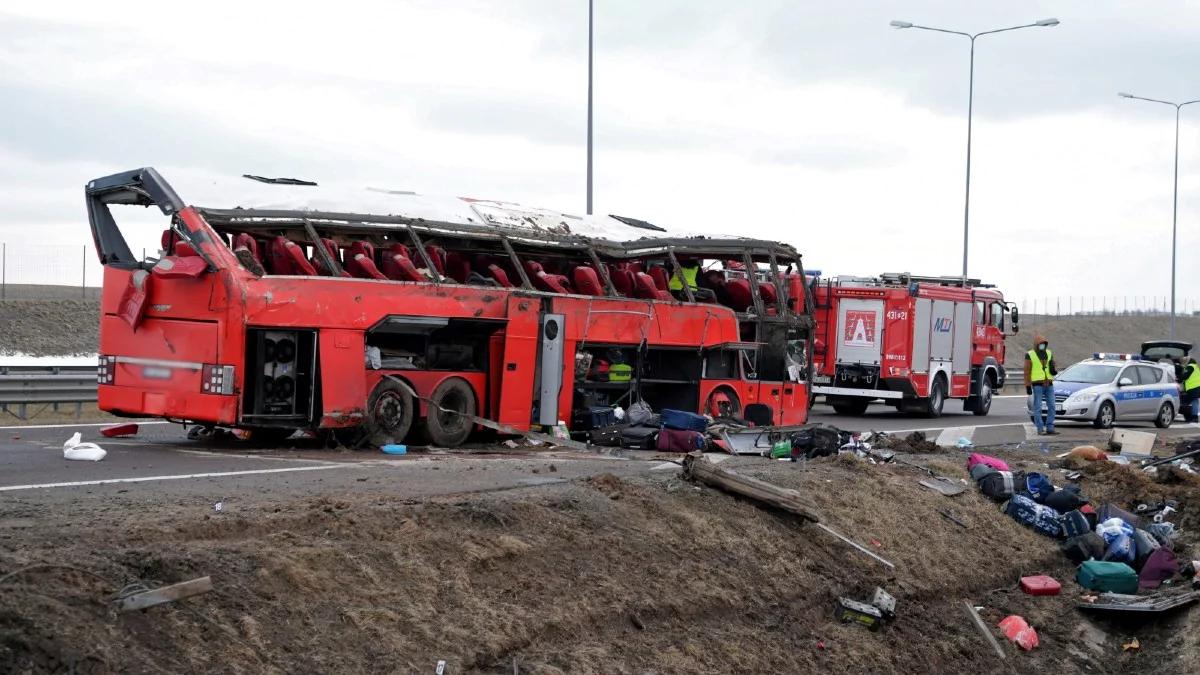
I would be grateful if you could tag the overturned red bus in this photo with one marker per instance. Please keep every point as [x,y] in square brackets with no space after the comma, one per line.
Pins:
[296,309]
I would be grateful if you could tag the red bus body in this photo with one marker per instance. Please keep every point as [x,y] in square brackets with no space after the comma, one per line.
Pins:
[908,341]
[200,336]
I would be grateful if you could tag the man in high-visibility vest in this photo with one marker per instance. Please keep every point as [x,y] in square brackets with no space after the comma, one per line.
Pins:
[690,270]
[1040,370]
[1191,390]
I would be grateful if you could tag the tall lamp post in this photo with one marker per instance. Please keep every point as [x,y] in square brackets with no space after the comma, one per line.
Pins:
[1043,23]
[1175,198]
[589,114]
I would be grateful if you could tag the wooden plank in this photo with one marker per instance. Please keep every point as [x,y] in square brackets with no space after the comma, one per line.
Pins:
[695,466]
[984,629]
[158,596]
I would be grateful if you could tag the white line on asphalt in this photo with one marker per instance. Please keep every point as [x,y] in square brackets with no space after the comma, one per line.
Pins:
[973,426]
[223,455]
[68,426]
[1011,396]
[143,479]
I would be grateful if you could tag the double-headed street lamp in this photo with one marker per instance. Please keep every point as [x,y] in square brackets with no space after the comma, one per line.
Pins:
[1044,23]
[1175,199]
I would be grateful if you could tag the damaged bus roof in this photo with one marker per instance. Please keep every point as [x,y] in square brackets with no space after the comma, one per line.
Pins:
[255,202]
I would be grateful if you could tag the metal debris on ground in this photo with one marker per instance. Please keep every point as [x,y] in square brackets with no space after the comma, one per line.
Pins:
[138,597]
[991,639]
[1132,605]
[952,518]
[852,611]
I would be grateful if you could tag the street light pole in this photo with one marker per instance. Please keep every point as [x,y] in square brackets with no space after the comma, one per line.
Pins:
[1043,23]
[589,112]
[1174,197]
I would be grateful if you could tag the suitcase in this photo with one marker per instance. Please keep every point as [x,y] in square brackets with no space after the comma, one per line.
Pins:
[597,417]
[1088,546]
[981,471]
[1110,511]
[1065,500]
[639,438]
[1040,585]
[607,436]
[1113,577]
[1074,523]
[676,440]
[998,486]
[683,421]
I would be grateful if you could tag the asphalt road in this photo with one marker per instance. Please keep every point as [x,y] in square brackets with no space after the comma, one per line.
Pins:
[161,464]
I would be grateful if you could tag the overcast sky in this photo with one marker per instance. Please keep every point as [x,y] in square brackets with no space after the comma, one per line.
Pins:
[810,122]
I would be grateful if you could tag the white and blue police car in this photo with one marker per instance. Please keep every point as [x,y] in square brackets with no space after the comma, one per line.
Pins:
[1111,388]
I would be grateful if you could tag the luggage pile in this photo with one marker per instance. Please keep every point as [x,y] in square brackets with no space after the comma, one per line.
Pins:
[639,428]
[1115,549]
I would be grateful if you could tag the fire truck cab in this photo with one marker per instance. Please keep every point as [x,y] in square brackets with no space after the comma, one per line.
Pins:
[910,341]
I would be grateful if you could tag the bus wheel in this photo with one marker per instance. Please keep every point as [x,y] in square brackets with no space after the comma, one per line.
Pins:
[723,402]
[451,407]
[389,414]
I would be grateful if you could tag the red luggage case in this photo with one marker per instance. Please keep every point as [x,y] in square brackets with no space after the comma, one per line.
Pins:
[1040,585]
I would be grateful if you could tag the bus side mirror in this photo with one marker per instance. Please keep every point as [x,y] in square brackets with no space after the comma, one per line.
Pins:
[1016,319]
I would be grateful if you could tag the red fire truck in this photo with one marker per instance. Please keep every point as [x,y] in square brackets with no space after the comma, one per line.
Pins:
[290,305]
[908,340]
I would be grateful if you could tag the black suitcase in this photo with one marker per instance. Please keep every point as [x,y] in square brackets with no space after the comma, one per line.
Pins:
[597,417]
[607,436]
[639,438]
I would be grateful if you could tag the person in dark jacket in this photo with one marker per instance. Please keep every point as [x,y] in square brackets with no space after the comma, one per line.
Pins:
[1040,370]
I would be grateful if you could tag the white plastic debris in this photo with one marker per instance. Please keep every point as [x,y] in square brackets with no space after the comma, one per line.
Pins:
[84,452]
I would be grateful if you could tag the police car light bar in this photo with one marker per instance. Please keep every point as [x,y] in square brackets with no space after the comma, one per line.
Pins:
[1110,356]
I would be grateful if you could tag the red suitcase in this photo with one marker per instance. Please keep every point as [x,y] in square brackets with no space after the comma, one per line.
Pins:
[1040,585]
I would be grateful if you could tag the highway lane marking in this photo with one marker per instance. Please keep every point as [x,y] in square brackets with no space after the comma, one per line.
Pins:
[144,479]
[89,424]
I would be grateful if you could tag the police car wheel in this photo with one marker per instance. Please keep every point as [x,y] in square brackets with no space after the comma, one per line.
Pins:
[1166,415]
[1105,416]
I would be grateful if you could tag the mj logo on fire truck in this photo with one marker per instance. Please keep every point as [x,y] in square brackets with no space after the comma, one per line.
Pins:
[943,325]
[860,329]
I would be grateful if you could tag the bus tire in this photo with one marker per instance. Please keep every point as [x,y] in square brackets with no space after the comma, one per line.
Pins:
[725,401]
[389,415]
[450,427]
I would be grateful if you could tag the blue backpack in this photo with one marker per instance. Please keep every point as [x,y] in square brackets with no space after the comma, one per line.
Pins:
[1038,487]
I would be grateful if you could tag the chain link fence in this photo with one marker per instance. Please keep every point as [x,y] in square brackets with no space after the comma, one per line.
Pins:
[49,272]
[1112,305]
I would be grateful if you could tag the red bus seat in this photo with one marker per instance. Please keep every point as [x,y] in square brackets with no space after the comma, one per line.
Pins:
[458,267]
[438,257]
[288,258]
[622,280]
[500,276]
[397,265]
[361,263]
[183,250]
[319,263]
[769,294]
[661,278]
[739,297]
[554,283]
[646,289]
[587,281]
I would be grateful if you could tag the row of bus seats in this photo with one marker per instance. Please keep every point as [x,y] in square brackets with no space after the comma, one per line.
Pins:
[398,262]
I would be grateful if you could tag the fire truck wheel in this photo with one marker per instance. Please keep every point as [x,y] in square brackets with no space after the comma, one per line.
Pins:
[389,414]
[451,426]
[981,404]
[850,406]
[937,398]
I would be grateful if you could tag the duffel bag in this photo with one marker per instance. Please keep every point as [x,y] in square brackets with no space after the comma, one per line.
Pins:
[1037,486]
[999,486]
[825,441]
[1066,499]
[639,438]
[1037,516]
[1144,544]
[1074,523]
[980,470]
[976,458]
[1089,546]
[679,440]
[684,421]
[1161,565]
[1121,549]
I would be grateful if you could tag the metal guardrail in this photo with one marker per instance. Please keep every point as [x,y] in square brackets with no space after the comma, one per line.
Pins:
[23,386]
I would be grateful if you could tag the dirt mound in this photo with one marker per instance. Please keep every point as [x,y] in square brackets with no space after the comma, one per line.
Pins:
[915,443]
[50,327]
[670,577]
[1074,338]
